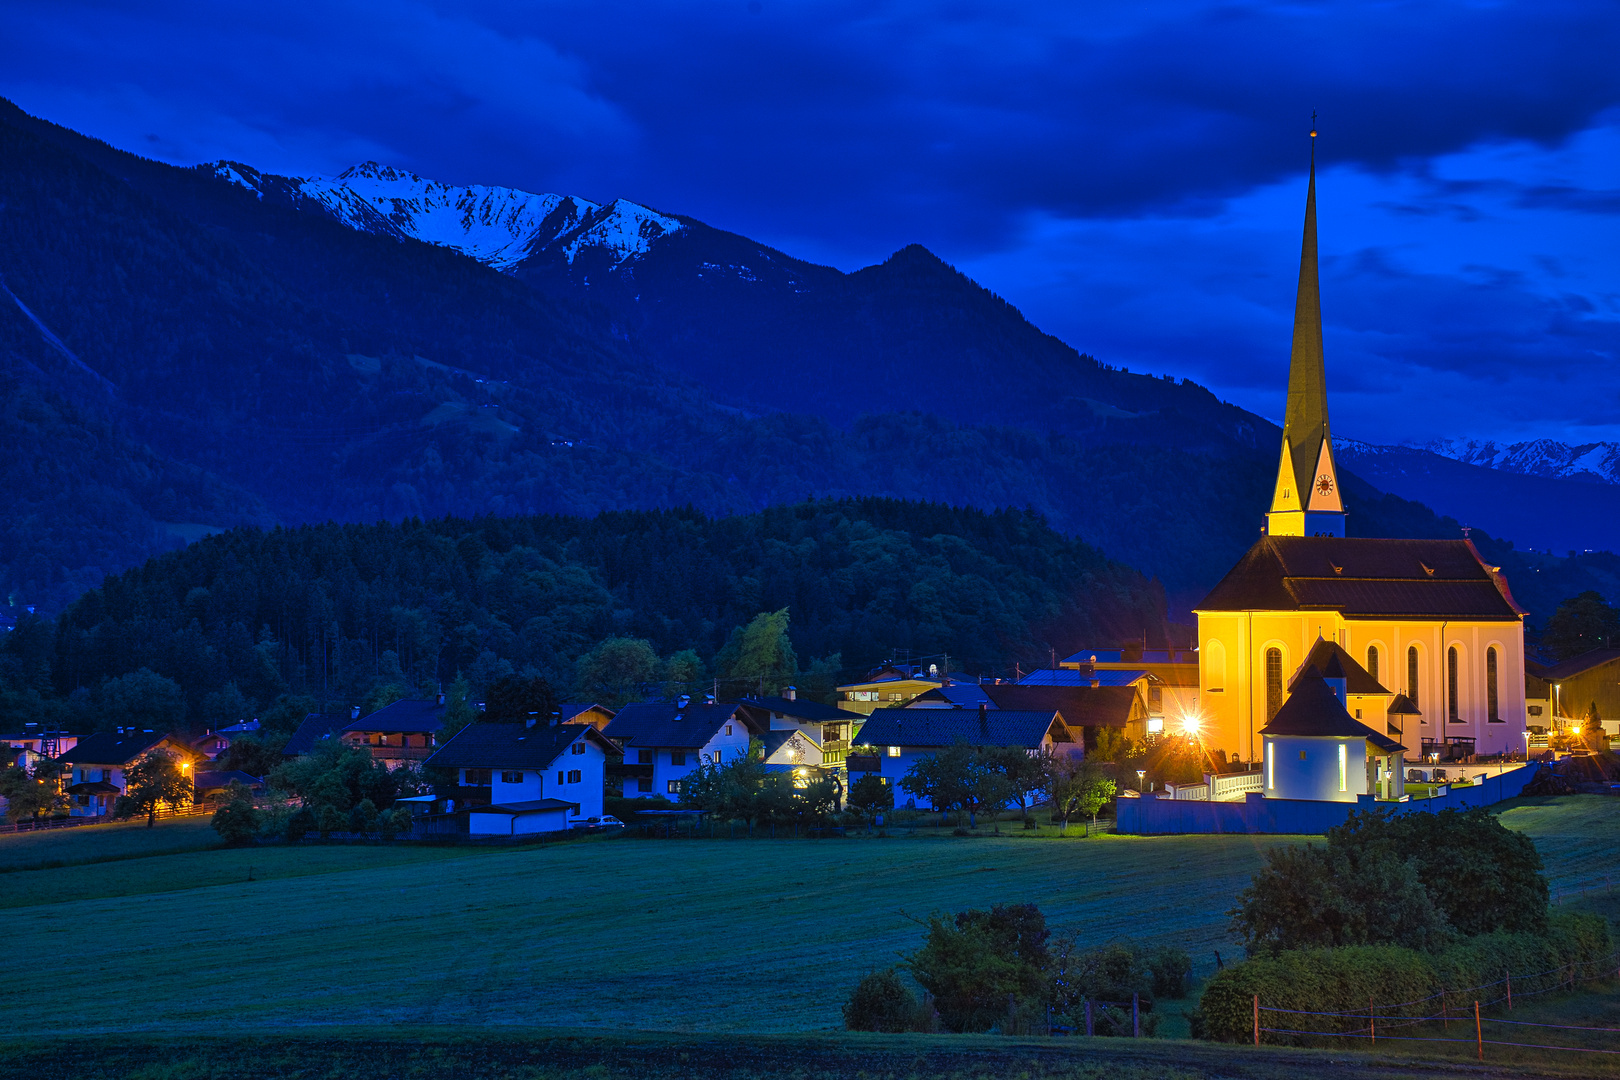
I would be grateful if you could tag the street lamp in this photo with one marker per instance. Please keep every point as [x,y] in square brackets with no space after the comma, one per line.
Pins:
[1526,734]
[1141,776]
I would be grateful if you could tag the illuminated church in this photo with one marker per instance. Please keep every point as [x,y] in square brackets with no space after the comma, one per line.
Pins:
[1430,653]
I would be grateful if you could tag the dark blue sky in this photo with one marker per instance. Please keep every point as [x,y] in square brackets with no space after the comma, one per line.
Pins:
[1130,174]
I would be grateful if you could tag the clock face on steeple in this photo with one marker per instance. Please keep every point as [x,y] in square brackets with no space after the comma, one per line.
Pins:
[1324,484]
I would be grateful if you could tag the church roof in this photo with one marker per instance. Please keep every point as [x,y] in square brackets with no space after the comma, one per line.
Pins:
[1313,709]
[1325,656]
[1365,578]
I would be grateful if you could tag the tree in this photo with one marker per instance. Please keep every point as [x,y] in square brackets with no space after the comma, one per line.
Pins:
[683,673]
[869,795]
[141,699]
[1592,729]
[760,652]
[157,780]
[250,754]
[945,778]
[974,962]
[1112,744]
[1027,774]
[1581,623]
[618,670]
[30,796]
[1079,786]
[237,821]
[514,699]
[881,1002]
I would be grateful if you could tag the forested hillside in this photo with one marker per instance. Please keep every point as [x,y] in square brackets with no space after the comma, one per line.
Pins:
[330,614]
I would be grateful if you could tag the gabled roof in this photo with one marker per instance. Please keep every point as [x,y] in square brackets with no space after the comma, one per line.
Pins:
[110,748]
[513,746]
[800,709]
[315,727]
[1403,706]
[942,727]
[1313,709]
[665,723]
[1325,654]
[407,716]
[775,739]
[1363,578]
[1577,665]
[1078,677]
[954,696]
[570,709]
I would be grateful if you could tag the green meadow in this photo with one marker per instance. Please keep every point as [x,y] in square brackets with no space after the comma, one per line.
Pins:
[157,933]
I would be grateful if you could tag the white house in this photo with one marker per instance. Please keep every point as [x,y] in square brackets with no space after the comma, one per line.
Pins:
[823,732]
[523,764]
[665,742]
[98,764]
[893,740]
[1314,748]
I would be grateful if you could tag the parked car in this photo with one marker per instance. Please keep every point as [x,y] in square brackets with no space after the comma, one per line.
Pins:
[599,824]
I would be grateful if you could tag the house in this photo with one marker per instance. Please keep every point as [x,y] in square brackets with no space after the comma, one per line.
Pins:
[1568,690]
[214,783]
[214,743]
[403,733]
[1084,709]
[1314,749]
[1171,690]
[34,744]
[581,712]
[664,742]
[1428,619]
[895,739]
[893,684]
[507,770]
[98,765]
[315,728]
[827,730]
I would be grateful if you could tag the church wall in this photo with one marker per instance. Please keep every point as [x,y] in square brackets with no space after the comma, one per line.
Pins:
[1232,647]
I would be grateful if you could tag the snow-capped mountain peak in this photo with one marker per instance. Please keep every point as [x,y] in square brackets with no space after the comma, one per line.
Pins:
[498,226]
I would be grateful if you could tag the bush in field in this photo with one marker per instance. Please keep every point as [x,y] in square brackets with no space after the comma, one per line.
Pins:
[881,1002]
[237,821]
[1415,880]
[869,796]
[1168,968]
[1346,979]
[974,962]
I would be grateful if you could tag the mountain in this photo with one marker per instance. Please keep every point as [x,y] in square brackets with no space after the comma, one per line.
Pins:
[1597,462]
[190,349]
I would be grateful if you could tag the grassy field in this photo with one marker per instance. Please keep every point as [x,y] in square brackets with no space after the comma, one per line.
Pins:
[611,935]
[97,843]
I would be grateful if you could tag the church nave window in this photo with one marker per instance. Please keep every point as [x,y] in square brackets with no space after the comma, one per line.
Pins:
[1451,685]
[1412,675]
[1372,661]
[1492,701]
[1274,682]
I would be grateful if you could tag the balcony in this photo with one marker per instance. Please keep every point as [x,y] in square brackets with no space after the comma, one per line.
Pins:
[630,770]
[863,763]
[401,753]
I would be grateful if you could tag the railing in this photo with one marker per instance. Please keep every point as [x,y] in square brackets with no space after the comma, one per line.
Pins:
[1231,787]
[831,746]
[401,753]
[1188,792]
[194,810]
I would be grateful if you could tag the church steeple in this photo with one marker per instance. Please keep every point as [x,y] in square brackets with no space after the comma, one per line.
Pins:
[1306,501]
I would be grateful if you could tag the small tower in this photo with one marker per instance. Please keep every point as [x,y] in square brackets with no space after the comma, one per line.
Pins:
[1306,500]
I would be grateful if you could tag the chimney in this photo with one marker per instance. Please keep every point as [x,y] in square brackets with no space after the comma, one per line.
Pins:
[532,719]
[354,713]
[793,693]
[441,697]
[984,719]
[683,701]
[1094,681]
[708,699]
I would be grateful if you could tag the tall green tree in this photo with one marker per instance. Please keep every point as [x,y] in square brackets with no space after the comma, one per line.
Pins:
[157,780]
[760,654]
[141,699]
[618,670]
[1581,623]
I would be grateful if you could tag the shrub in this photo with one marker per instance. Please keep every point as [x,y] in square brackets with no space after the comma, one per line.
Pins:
[1346,979]
[972,964]
[1168,968]
[881,1002]
[237,822]
[300,824]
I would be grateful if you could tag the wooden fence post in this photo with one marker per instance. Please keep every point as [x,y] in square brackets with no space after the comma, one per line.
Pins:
[1136,1017]
[1089,1029]
[1479,1038]
[1510,990]
[1257,1019]
[1372,1023]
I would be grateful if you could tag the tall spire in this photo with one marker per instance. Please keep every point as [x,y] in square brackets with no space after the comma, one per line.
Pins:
[1306,500]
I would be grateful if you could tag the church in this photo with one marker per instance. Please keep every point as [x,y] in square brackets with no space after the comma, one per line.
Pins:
[1429,643]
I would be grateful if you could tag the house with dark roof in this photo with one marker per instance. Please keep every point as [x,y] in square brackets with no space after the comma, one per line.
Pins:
[509,769]
[211,744]
[1170,691]
[1314,749]
[1429,619]
[35,743]
[893,740]
[1565,692]
[98,765]
[824,731]
[316,728]
[403,733]
[1084,709]
[665,742]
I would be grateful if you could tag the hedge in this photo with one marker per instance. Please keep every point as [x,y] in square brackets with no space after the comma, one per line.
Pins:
[1398,981]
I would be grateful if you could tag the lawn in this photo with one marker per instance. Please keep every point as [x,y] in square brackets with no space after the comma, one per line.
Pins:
[97,843]
[611,935]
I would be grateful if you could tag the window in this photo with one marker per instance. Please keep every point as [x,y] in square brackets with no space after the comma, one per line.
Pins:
[677,757]
[1344,767]
[510,777]
[894,751]
[1155,697]
[644,786]
[644,757]
[1412,675]
[559,776]
[674,787]
[1215,666]
[715,757]
[573,776]
[1372,661]
[1271,766]
[577,748]
[1274,684]
[728,729]
[1155,725]
[1492,702]
[1450,685]
[476,777]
